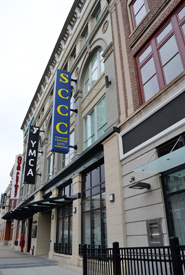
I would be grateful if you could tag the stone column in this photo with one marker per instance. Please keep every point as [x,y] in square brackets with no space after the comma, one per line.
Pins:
[76,180]
[26,236]
[79,45]
[116,231]
[14,234]
[53,226]
[90,24]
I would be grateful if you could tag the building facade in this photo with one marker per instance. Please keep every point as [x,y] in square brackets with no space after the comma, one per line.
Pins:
[149,48]
[123,178]
[68,205]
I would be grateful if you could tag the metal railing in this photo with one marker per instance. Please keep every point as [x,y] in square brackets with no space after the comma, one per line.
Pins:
[161,260]
[63,248]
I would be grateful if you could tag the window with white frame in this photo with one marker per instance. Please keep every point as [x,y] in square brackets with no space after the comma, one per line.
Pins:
[50,165]
[70,155]
[95,123]
[95,69]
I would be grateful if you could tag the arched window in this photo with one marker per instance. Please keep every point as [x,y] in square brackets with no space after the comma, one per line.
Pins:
[95,69]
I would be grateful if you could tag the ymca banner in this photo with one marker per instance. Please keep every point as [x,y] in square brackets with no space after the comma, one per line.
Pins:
[17,174]
[61,113]
[31,155]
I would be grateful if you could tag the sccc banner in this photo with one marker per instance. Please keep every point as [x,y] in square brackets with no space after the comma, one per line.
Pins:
[61,113]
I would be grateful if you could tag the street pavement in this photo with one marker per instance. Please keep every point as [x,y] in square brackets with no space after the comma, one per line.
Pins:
[21,263]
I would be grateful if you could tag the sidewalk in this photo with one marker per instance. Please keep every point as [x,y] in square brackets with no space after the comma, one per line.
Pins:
[20,263]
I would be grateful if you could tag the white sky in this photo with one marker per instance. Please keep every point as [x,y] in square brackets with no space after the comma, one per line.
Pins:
[29,30]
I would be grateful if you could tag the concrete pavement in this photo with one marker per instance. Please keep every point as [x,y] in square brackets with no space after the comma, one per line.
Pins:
[20,263]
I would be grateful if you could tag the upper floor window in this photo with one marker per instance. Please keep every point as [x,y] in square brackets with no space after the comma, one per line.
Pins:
[97,16]
[95,69]
[96,123]
[70,155]
[164,57]
[50,166]
[138,10]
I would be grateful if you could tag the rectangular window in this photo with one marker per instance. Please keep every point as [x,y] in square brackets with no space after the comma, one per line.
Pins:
[50,164]
[70,155]
[138,11]
[95,123]
[64,230]
[163,58]
[94,208]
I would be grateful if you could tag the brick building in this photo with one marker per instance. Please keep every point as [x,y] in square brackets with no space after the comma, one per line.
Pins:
[149,52]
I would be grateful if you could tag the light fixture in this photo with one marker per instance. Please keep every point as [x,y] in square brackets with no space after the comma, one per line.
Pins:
[74,209]
[107,81]
[140,185]
[111,197]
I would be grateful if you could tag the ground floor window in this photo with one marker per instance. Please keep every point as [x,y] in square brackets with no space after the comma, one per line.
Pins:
[174,191]
[94,222]
[174,186]
[64,230]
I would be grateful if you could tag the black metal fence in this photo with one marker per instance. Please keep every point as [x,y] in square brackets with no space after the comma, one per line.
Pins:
[163,260]
[63,248]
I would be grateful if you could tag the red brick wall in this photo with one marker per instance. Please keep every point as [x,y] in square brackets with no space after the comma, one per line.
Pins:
[156,8]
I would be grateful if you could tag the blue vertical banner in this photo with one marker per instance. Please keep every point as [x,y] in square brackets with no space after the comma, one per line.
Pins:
[61,113]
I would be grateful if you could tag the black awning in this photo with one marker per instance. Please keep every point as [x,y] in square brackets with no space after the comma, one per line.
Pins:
[26,211]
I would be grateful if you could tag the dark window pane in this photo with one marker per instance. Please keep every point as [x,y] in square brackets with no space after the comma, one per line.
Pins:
[103,199]
[103,187]
[87,228]
[96,202]
[67,190]
[148,70]
[59,237]
[66,224]
[104,225]
[71,189]
[96,190]
[87,181]
[151,88]
[96,228]
[87,193]
[87,203]
[168,50]
[140,15]
[71,230]
[173,68]
[95,177]
[102,173]
[164,33]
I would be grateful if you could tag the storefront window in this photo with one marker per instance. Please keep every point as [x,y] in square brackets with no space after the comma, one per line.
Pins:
[64,232]
[65,223]
[94,208]
[174,190]
[175,197]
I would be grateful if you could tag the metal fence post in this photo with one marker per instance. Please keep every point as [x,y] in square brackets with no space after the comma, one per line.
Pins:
[175,252]
[116,259]
[84,251]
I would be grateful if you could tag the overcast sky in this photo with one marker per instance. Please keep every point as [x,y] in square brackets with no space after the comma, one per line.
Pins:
[29,30]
